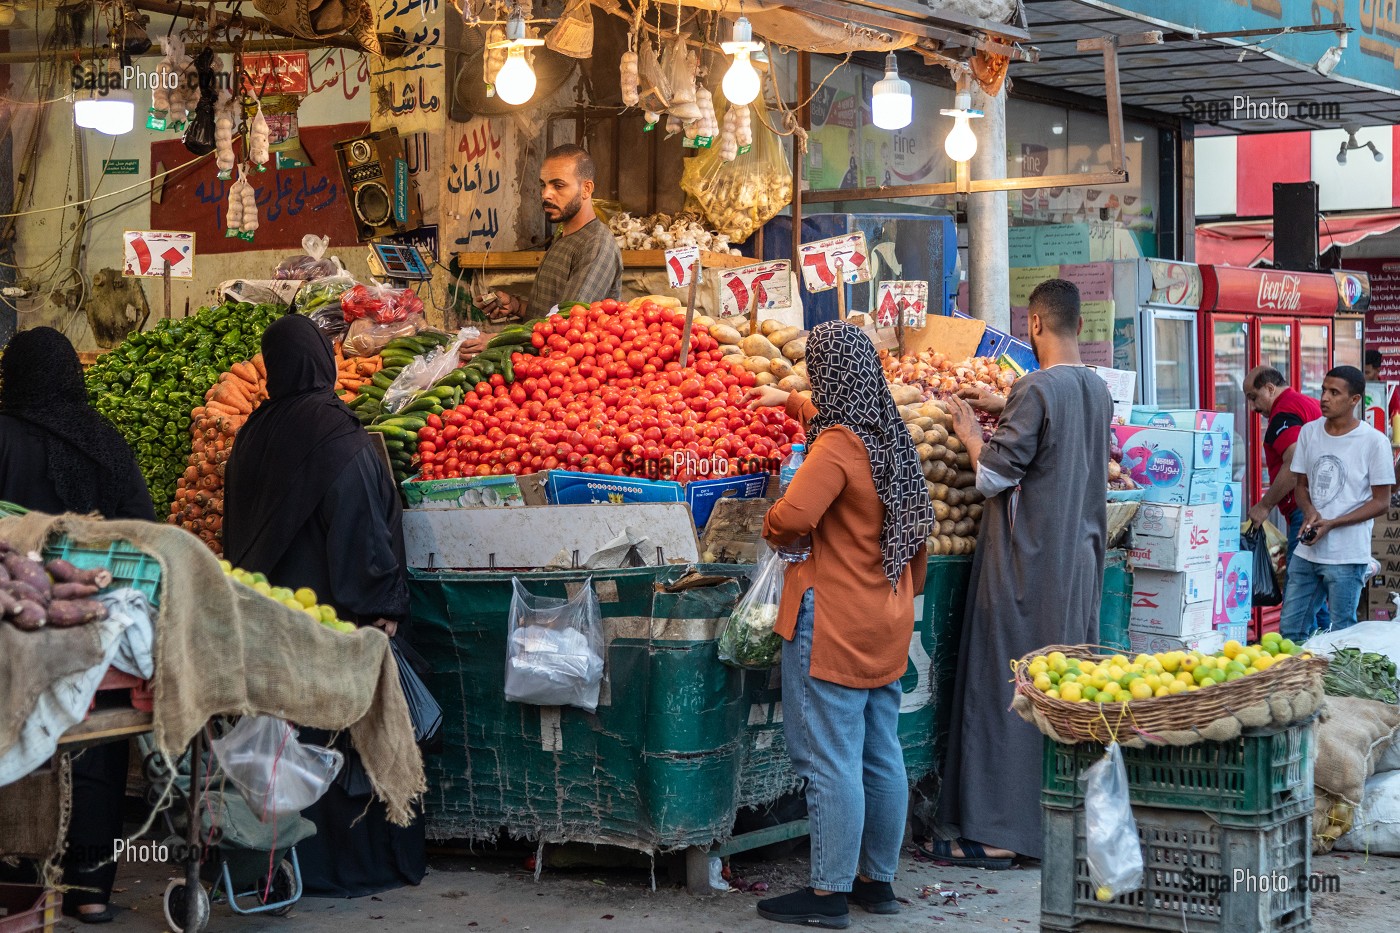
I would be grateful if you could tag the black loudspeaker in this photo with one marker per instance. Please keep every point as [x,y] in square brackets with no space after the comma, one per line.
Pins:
[369,168]
[1295,225]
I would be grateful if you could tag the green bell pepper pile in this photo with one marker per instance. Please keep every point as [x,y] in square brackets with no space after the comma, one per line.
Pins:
[148,386]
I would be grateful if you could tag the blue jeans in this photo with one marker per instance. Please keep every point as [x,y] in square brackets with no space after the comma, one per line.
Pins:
[1295,528]
[845,743]
[1308,584]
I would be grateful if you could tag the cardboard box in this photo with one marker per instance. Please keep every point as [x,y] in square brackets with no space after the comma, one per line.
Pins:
[1121,385]
[1172,603]
[1209,448]
[1234,591]
[1177,538]
[565,487]
[464,493]
[1232,505]
[1186,622]
[1230,539]
[1235,631]
[1150,643]
[1160,460]
[1188,419]
[703,494]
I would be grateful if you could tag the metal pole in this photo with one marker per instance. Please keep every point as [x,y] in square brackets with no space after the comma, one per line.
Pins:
[804,119]
[988,245]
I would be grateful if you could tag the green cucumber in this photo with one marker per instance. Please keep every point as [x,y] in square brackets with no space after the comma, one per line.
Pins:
[457,377]
[507,339]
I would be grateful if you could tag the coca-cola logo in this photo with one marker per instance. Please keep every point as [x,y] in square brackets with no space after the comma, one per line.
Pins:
[1282,293]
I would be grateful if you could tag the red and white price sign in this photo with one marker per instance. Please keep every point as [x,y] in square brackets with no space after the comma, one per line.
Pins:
[909,299]
[148,252]
[768,282]
[823,261]
[679,263]
[279,73]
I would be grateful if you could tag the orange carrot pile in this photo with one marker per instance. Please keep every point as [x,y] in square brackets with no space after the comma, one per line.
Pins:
[352,372]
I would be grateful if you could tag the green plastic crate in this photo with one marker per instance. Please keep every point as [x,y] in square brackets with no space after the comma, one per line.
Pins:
[129,566]
[1264,775]
[1116,603]
[1190,863]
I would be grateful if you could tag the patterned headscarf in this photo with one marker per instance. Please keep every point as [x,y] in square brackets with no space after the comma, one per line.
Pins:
[849,389]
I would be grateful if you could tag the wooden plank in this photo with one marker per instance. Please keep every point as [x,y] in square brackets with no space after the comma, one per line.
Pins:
[631,259]
[106,725]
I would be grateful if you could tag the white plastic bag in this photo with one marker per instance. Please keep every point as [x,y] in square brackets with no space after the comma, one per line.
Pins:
[276,774]
[748,639]
[1376,829]
[1111,836]
[425,371]
[554,653]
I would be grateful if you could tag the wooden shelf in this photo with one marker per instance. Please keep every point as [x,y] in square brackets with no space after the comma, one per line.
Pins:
[106,725]
[631,259]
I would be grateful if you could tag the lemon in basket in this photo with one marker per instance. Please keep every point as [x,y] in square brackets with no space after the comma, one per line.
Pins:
[1072,692]
[306,596]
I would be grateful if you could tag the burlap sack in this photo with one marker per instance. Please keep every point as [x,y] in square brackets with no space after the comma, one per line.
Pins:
[221,649]
[311,19]
[1348,743]
[34,813]
[31,662]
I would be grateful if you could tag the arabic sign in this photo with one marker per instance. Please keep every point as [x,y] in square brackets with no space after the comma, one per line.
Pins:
[121,166]
[1373,56]
[679,263]
[907,298]
[291,203]
[147,253]
[823,260]
[770,282]
[479,208]
[279,73]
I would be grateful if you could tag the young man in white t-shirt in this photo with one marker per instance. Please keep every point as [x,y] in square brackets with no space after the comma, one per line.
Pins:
[1346,471]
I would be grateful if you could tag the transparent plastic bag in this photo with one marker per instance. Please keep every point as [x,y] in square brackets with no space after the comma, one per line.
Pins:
[748,639]
[676,61]
[275,774]
[380,303]
[1112,848]
[739,196]
[425,371]
[554,654]
[324,292]
[311,264]
[366,338]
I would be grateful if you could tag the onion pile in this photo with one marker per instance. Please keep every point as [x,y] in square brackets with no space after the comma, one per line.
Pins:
[1118,478]
[936,376]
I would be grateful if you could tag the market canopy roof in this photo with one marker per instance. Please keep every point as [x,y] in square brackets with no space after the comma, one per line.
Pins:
[1243,243]
[1185,76]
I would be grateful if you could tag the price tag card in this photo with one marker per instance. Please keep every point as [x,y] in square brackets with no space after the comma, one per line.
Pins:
[823,260]
[679,262]
[909,299]
[770,282]
[147,253]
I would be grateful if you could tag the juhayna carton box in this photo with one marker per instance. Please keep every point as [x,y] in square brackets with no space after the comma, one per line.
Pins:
[1175,538]
[1152,643]
[1234,590]
[1176,604]
[702,494]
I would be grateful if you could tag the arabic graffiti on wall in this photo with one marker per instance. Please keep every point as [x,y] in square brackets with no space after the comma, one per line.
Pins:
[291,202]
[480,205]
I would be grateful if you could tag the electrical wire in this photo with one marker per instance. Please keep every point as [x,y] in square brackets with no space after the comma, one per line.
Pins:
[142,184]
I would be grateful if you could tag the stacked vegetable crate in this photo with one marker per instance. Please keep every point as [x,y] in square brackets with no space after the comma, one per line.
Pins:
[1224,828]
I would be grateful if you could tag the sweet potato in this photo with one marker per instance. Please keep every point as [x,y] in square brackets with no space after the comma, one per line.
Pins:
[73,591]
[21,591]
[64,572]
[69,613]
[24,570]
[30,617]
[8,604]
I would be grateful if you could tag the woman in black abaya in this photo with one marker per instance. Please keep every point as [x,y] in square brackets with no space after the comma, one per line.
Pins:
[59,455]
[308,502]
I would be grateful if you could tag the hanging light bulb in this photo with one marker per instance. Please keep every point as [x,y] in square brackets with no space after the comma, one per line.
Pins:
[891,101]
[741,82]
[112,112]
[515,82]
[961,143]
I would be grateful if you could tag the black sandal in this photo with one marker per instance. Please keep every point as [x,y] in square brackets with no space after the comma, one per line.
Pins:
[974,855]
[105,915]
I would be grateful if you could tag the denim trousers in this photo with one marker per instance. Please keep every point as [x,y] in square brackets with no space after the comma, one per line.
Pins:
[1308,584]
[1295,528]
[845,743]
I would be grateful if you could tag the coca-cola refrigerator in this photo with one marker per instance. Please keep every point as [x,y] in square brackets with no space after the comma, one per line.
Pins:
[1263,317]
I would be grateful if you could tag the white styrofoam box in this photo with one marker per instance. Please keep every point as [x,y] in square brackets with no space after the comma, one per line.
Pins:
[1175,537]
[1151,643]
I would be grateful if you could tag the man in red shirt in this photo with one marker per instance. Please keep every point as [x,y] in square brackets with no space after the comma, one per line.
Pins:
[1287,410]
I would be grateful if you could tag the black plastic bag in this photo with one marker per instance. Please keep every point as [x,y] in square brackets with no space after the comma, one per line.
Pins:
[1266,588]
[423,708]
[199,135]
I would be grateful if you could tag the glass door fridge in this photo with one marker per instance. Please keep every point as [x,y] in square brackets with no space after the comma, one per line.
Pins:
[1169,371]
[1229,360]
[1315,356]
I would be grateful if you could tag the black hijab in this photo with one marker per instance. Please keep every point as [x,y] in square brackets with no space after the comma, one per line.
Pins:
[290,450]
[92,468]
[849,389]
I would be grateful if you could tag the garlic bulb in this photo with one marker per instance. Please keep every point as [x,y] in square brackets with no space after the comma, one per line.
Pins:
[224,120]
[631,79]
[259,137]
[743,126]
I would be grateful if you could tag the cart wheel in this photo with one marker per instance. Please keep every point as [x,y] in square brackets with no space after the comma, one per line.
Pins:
[177,907]
[283,884]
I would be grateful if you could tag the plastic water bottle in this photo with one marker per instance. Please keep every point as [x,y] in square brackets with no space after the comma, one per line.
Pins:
[801,549]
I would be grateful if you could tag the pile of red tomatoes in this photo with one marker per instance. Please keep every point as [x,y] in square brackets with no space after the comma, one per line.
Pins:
[607,394]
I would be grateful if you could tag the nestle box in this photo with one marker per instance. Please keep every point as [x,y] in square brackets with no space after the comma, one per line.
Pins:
[1235,631]
[702,494]
[1190,419]
[1160,460]
[1151,643]
[568,488]
[1232,505]
[1212,450]
[1172,603]
[463,493]
[1234,592]
[1230,539]
[1177,538]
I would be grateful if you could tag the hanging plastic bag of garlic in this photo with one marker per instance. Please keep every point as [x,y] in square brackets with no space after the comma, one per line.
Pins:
[728,146]
[242,218]
[158,116]
[680,64]
[259,140]
[631,79]
[739,195]
[186,90]
[225,117]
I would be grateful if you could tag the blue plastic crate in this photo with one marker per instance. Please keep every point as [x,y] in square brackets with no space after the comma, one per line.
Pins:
[129,566]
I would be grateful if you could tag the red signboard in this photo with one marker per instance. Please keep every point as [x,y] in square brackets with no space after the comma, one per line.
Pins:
[279,73]
[1268,291]
[291,202]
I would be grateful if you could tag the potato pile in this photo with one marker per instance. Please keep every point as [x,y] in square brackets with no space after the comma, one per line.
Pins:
[776,354]
[947,466]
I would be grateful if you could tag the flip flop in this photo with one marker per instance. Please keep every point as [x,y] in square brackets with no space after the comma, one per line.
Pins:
[974,855]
